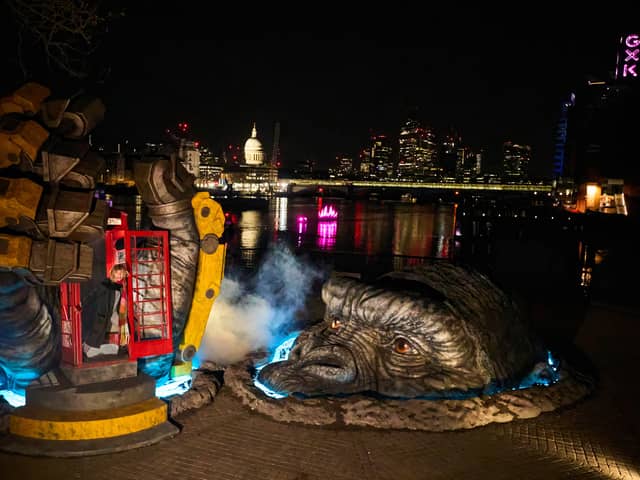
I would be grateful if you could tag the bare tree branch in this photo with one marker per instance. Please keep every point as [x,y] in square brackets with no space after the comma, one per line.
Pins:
[66,31]
[23,68]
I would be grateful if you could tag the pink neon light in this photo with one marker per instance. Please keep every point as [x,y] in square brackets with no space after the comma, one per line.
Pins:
[629,70]
[632,54]
[327,212]
[627,67]
[632,41]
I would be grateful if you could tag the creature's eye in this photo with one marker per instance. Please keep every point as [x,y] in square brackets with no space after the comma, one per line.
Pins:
[335,324]
[402,345]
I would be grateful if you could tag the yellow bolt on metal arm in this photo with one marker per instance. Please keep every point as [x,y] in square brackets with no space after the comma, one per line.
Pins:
[209,219]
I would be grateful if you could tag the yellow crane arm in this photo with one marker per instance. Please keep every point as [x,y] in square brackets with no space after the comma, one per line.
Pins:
[209,219]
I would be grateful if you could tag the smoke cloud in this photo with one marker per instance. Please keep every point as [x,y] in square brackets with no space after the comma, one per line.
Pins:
[256,315]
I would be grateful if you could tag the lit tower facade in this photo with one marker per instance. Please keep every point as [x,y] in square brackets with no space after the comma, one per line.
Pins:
[381,156]
[344,166]
[366,168]
[253,150]
[427,154]
[560,146]
[417,152]
[467,165]
[407,146]
[515,162]
[451,142]
[479,161]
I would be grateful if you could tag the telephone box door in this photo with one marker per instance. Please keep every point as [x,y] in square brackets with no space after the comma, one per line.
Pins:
[148,287]
[149,293]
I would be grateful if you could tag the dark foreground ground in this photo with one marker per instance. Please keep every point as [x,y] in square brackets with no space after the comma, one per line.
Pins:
[598,438]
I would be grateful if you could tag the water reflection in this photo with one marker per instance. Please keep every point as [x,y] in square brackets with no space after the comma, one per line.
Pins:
[355,230]
[367,236]
[327,231]
[301,229]
[373,228]
[250,227]
[422,231]
[281,213]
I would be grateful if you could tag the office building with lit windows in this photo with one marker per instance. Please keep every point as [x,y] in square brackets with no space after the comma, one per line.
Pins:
[515,162]
[417,153]
[381,157]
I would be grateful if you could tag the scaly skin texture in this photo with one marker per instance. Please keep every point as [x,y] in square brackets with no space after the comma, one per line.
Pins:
[431,331]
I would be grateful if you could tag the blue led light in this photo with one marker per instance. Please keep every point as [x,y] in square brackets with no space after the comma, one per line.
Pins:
[266,390]
[280,354]
[15,399]
[282,351]
[195,362]
[174,386]
[553,362]
[167,388]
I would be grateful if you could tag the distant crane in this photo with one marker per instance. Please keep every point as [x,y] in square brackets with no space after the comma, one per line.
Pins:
[275,153]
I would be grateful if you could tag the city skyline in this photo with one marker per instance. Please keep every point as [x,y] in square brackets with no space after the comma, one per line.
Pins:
[331,85]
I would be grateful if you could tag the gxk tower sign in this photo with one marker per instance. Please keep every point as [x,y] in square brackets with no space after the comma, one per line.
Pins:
[628,57]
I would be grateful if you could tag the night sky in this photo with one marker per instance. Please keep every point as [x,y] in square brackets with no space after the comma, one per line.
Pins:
[331,81]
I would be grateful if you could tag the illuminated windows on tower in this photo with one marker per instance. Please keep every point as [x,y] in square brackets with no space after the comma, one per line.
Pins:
[515,162]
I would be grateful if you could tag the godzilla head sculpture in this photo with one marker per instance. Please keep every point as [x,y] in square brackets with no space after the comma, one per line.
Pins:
[434,331]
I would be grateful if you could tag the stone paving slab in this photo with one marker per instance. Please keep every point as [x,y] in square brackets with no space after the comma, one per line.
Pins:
[595,439]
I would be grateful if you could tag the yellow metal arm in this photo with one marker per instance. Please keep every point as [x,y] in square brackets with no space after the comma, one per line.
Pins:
[209,219]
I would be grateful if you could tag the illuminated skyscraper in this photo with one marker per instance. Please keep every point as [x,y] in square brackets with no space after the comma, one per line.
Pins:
[559,153]
[417,152]
[344,166]
[515,162]
[451,142]
[365,163]
[381,157]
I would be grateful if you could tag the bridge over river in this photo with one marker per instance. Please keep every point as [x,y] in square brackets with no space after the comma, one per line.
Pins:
[358,187]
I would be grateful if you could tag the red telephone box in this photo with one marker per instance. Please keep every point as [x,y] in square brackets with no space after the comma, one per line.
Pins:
[147,293]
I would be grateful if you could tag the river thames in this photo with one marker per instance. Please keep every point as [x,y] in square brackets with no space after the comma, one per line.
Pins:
[523,245]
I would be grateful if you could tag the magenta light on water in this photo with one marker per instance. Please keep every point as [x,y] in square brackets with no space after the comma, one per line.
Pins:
[327,212]
[327,232]
[301,222]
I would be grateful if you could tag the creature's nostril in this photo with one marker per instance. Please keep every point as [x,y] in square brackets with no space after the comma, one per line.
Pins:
[294,354]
